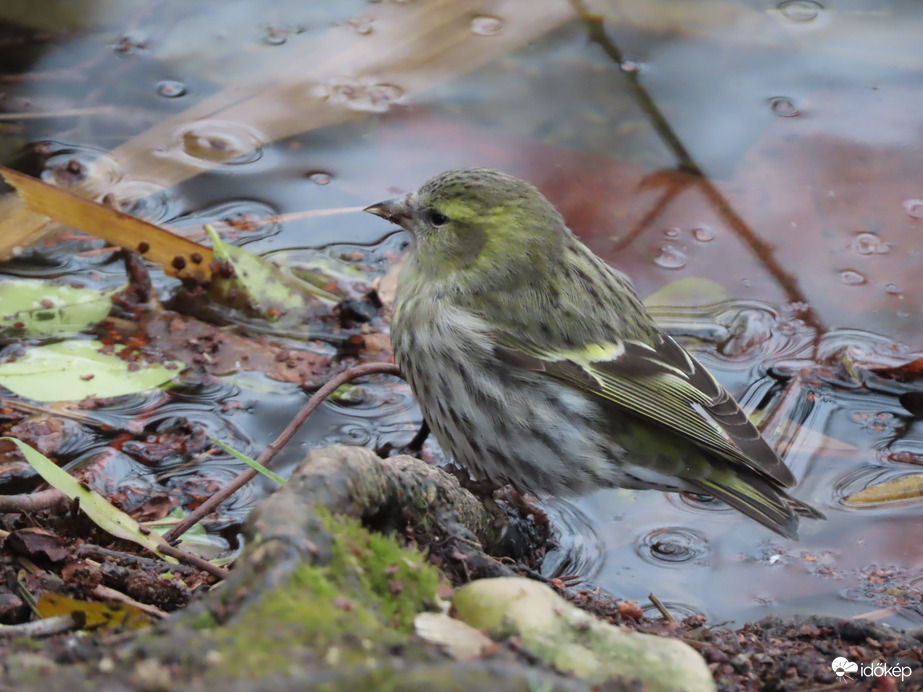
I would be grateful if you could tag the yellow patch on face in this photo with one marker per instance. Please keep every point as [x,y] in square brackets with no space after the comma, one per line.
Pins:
[457,210]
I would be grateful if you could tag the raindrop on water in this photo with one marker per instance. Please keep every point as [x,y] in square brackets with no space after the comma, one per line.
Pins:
[673,545]
[170,89]
[70,166]
[277,34]
[914,208]
[485,25]
[869,244]
[783,107]
[851,277]
[800,10]
[703,234]
[220,141]
[671,232]
[274,35]
[670,257]
[146,200]
[630,66]
[361,25]
[893,289]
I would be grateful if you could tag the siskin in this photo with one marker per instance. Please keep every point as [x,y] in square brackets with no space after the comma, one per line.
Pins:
[536,364]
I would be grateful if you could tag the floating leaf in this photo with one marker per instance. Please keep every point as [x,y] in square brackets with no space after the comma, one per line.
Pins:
[74,370]
[252,463]
[687,292]
[902,489]
[104,614]
[105,515]
[35,308]
[260,287]
[197,540]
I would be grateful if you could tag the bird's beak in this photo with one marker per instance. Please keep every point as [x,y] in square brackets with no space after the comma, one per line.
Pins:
[394,210]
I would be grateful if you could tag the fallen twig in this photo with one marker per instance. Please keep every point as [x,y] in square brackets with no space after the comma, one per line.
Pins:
[32,502]
[661,607]
[95,552]
[194,560]
[108,594]
[40,628]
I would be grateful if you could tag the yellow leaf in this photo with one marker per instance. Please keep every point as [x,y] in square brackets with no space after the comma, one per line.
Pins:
[901,489]
[174,253]
[98,613]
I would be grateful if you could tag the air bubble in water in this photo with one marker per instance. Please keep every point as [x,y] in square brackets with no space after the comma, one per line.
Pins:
[485,25]
[869,244]
[319,177]
[914,208]
[703,234]
[783,106]
[851,277]
[800,10]
[170,89]
[670,257]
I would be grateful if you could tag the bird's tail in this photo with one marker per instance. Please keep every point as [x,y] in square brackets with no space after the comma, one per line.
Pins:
[759,499]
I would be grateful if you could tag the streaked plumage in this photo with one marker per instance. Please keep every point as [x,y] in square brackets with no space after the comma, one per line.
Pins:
[535,363]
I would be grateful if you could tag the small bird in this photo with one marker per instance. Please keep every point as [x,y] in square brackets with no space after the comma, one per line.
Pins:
[536,364]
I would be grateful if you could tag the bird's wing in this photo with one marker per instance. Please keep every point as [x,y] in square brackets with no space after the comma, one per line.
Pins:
[661,383]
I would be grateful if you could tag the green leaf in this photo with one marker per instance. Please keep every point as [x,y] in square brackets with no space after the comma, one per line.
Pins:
[106,516]
[260,287]
[197,540]
[252,463]
[35,308]
[74,370]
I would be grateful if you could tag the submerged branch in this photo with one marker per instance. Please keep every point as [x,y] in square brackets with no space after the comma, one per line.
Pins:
[686,164]
[274,447]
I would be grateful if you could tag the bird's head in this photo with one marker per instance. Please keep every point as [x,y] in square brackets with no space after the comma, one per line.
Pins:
[477,225]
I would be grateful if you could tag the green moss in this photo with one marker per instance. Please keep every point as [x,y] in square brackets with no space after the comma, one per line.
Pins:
[204,621]
[342,613]
[397,579]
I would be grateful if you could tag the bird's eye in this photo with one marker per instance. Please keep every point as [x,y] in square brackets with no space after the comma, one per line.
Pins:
[437,218]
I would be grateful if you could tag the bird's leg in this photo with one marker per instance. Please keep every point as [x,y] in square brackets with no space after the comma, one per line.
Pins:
[416,444]
[412,448]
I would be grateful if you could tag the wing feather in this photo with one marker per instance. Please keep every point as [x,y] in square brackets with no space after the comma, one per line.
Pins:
[662,383]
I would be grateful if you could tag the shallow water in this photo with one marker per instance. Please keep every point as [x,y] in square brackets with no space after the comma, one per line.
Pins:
[802,247]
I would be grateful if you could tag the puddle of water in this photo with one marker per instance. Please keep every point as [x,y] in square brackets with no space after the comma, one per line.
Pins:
[804,117]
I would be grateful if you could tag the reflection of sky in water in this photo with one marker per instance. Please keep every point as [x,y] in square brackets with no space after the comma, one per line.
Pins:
[805,117]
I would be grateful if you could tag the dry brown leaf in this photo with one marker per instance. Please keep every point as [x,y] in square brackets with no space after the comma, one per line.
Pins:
[174,253]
